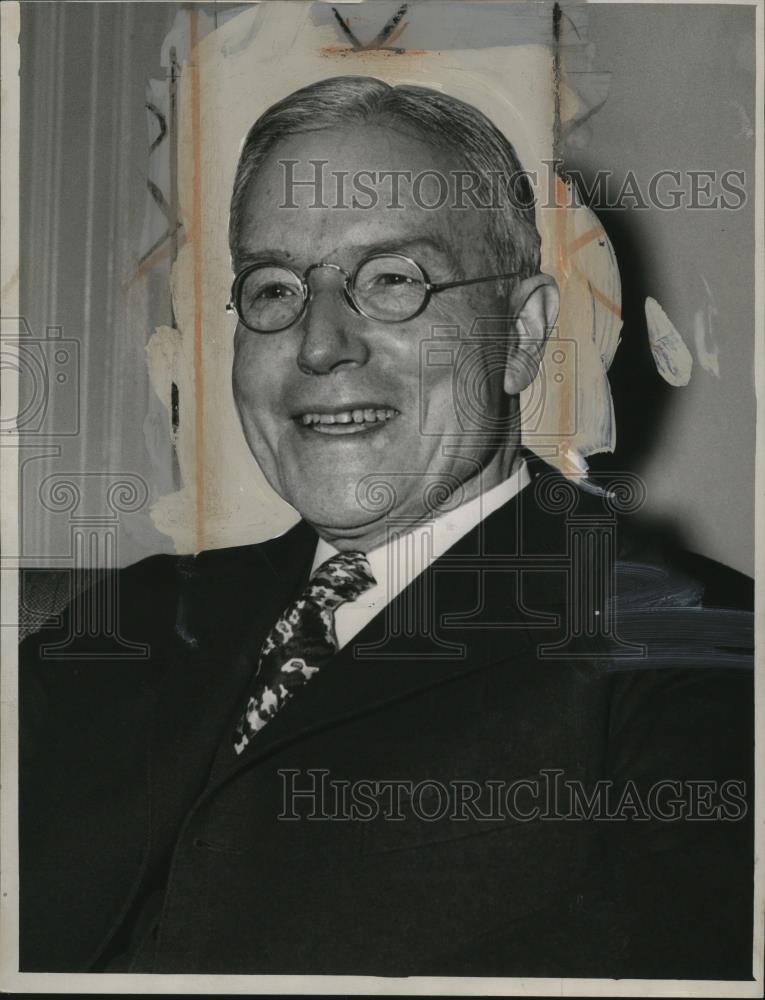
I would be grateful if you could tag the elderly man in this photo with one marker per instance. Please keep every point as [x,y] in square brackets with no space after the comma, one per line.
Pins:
[438,727]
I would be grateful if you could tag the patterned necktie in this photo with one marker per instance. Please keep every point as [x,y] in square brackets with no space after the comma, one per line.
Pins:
[302,640]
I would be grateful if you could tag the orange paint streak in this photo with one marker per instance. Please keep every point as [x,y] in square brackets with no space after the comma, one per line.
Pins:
[397,33]
[563,262]
[604,300]
[561,236]
[160,254]
[581,241]
[195,238]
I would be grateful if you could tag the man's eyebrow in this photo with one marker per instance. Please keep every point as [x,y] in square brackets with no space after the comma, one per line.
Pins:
[264,255]
[410,247]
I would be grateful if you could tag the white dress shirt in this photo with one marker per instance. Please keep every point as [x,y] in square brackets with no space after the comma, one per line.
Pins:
[397,562]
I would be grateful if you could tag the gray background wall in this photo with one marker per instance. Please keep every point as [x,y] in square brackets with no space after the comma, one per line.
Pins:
[681,97]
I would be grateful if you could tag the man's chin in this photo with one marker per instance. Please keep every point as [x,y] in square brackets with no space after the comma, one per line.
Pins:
[336,516]
[343,515]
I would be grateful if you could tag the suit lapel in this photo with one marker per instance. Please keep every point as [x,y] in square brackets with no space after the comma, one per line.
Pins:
[227,602]
[469,609]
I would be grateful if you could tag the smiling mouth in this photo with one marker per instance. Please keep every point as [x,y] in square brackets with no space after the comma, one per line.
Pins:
[353,421]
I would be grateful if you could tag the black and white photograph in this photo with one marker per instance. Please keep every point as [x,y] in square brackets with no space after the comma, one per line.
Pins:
[381,581]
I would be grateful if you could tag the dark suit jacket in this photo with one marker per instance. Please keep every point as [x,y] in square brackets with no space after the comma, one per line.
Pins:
[145,840]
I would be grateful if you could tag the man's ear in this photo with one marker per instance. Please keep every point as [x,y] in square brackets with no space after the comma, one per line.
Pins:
[534,305]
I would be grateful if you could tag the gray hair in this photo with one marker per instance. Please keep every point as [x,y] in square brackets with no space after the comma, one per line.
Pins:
[448,123]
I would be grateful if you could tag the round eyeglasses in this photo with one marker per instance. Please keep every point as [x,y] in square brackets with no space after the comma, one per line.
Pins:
[387,287]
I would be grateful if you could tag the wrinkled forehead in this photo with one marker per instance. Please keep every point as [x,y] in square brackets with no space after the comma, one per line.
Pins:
[337,191]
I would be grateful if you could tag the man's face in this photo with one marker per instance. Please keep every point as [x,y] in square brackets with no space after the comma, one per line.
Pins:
[334,363]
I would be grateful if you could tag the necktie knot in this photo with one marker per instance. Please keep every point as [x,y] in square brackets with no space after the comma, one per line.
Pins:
[342,578]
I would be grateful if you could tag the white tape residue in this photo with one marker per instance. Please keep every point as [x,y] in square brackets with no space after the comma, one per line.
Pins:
[672,358]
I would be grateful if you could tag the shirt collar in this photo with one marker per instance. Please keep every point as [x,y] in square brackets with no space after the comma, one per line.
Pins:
[397,562]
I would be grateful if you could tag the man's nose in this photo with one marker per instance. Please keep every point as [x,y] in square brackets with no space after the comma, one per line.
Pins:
[331,331]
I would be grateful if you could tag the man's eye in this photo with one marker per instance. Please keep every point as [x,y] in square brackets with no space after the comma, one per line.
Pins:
[276,292]
[392,280]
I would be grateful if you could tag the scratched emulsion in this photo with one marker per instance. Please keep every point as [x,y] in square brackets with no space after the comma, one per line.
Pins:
[704,336]
[502,58]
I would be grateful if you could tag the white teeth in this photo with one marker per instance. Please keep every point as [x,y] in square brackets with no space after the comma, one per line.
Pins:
[357,416]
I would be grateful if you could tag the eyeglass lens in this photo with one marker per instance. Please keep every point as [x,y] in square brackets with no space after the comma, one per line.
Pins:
[270,298]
